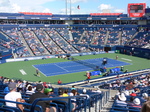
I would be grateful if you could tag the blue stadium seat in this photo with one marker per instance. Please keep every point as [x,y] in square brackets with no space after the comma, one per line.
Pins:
[2,109]
[13,108]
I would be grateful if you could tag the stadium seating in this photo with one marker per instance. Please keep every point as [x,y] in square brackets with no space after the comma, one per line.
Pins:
[47,41]
[63,40]
[14,34]
[81,101]
[141,39]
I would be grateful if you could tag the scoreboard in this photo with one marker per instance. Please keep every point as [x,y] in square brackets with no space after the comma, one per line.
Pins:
[136,9]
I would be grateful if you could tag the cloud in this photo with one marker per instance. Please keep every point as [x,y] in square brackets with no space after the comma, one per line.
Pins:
[46,10]
[76,1]
[119,10]
[23,5]
[105,7]
[4,3]
[110,9]
[16,8]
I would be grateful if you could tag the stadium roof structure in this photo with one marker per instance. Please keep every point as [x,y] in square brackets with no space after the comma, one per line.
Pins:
[50,16]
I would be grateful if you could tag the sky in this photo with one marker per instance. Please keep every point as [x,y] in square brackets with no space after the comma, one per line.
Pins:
[59,6]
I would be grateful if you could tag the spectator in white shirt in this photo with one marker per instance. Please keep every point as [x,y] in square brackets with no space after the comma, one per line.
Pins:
[14,96]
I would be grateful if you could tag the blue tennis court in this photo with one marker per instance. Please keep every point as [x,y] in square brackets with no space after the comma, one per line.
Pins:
[60,68]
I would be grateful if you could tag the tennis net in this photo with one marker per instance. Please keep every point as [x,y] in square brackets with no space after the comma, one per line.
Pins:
[91,65]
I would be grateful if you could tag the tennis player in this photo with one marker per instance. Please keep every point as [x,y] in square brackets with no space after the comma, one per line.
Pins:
[104,61]
[37,73]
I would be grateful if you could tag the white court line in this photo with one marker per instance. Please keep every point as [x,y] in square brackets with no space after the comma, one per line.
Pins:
[59,73]
[61,67]
[23,72]
[40,71]
[49,74]
[126,59]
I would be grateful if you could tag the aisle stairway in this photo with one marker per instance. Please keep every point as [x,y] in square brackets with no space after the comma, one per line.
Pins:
[107,36]
[109,104]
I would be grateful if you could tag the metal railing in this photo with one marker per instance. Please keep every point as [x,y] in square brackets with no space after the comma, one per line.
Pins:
[96,102]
